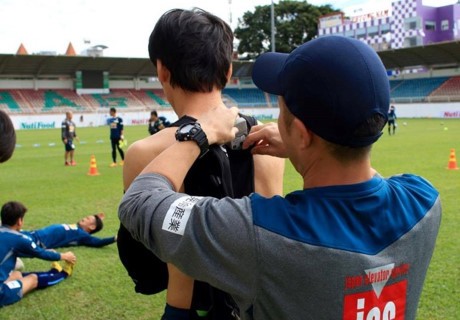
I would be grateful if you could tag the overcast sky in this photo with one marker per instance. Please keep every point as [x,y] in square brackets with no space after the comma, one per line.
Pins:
[122,26]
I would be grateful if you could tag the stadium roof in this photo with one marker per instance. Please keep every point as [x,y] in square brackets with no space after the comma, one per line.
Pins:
[435,55]
[43,65]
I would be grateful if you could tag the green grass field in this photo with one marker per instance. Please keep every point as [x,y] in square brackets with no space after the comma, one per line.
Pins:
[100,287]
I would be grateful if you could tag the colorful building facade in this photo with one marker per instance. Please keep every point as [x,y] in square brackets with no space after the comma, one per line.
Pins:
[406,23]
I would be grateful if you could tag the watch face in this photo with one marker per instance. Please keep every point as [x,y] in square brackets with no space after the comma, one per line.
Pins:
[186,128]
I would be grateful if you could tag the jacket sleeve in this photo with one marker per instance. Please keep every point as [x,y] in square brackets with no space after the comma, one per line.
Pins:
[29,249]
[91,241]
[63,130]
[209,239]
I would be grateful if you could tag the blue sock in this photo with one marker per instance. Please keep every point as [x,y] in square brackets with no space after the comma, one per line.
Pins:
[172,313]
[49,278]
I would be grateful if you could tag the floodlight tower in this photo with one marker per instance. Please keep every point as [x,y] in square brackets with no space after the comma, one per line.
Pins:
[230,12]
[272,15]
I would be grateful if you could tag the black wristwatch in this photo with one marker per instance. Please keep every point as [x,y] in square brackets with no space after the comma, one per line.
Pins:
[193,131]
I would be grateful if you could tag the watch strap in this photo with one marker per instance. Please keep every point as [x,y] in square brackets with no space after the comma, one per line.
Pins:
[195,133]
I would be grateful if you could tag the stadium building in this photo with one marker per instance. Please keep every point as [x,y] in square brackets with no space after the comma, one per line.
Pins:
[36,89]
[404,24]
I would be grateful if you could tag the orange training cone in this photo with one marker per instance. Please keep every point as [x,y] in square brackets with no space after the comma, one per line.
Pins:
[93,167]
[452,161]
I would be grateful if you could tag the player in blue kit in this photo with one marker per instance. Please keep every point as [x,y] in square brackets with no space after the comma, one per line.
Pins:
[392,120]
[14,284]
[77,234]
[116,136]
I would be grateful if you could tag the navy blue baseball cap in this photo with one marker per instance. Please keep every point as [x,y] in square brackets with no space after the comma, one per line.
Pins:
[333,84]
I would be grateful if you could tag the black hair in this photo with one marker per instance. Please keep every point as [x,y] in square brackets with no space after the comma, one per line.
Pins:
[11,212]
[7,137]
[195,46]
[371,127]
[154,113]
[113,109]
[99,224]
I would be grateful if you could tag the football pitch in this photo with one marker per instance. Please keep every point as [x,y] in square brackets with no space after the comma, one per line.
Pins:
[100,287]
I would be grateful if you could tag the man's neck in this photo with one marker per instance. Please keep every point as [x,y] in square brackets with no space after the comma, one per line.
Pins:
[323,173]
[195,103]
[15,228]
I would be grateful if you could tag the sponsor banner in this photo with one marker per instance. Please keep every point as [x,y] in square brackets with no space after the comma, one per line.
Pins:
[38,125]
[331,20]
[49,121]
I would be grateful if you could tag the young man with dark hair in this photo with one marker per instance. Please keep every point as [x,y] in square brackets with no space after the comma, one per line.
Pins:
[116,136]
[68,134]
[13,244]
[7,137]
[192,53]
[156,123]
[349,245]
[65,235]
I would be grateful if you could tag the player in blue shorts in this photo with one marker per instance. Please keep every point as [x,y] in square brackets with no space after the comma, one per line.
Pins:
[77,234]
[116,136]
[14,284]
[392,120]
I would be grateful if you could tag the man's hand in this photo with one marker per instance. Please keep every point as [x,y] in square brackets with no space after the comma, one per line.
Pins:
[266,140]
[14,275]
[219,124]
[69,256]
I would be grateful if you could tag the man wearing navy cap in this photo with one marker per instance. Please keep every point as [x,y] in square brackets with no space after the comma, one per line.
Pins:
[349,245]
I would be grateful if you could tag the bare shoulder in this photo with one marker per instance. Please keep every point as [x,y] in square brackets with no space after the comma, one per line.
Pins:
[141,152]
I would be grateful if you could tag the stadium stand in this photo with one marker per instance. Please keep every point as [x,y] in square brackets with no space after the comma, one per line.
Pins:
[9,102]
[250,97]
[77,99]
[159,97]
[149,98]
[52,100]
[417,90]
[449,90]
[46,101]
[436,89]
[36,84]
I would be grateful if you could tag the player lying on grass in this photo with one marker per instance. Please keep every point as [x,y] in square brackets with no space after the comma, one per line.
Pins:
[15,284]
[77,234]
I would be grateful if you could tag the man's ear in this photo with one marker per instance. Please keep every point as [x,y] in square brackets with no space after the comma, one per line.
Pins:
[305,135]
[20,222]
[229,73]
[163,72]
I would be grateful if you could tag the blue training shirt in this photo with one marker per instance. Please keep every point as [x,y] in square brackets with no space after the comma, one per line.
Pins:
[64,235]
[13,244]
[358,218]
[116,127]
